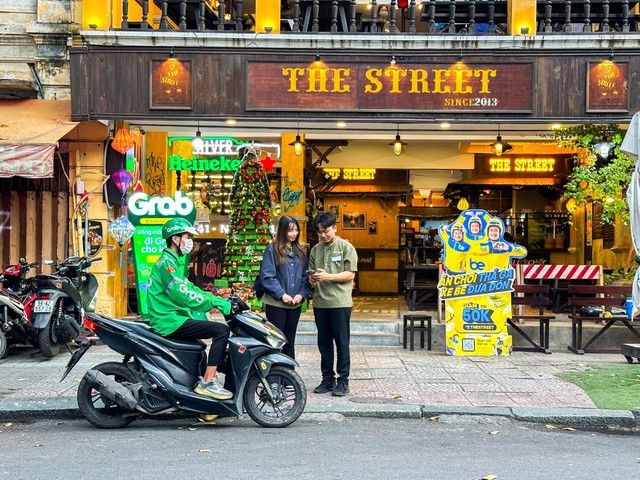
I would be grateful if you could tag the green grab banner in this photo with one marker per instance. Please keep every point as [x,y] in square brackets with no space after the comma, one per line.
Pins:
[148,215]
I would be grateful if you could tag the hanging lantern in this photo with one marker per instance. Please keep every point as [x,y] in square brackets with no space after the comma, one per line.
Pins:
[121,229]
[122,178]
[463,204]
[122,141]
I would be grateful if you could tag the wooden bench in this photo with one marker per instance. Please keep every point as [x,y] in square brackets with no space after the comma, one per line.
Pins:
[535,296]
[597,296]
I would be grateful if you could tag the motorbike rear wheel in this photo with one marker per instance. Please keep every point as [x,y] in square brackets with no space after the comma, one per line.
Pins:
[102,412]
[288,390]
[48,340]
[4,347]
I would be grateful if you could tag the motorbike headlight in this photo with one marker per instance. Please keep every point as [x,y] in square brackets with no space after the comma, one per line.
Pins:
[275,338]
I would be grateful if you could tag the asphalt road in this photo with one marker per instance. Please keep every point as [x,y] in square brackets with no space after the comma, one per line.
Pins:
[315,447]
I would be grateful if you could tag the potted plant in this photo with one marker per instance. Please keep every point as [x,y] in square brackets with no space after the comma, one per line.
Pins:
[620,277]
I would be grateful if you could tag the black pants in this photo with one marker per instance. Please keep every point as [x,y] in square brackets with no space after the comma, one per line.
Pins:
[286,319]
[200,329]
[333,327]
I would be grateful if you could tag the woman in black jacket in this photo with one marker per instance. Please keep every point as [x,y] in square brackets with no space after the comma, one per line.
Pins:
[285,280]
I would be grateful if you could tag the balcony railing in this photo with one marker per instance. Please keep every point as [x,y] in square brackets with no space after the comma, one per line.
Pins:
[434,17]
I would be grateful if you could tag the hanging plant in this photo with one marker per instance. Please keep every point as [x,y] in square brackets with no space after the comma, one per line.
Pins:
[596,175]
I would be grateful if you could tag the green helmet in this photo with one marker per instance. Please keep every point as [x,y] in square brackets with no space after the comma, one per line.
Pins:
[176,226]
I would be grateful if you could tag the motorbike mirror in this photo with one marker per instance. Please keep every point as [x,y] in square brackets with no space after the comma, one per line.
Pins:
[22,260]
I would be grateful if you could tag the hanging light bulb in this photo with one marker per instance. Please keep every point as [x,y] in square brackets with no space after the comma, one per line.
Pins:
[398,145]
[499,147]
[197,141]
[298,145]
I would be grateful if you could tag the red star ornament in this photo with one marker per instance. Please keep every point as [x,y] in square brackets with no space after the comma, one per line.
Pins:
[267,163]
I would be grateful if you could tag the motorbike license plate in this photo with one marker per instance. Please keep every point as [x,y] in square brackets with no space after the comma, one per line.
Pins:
[43,306]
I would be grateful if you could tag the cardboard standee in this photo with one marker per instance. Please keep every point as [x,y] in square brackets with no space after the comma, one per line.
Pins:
[477,284]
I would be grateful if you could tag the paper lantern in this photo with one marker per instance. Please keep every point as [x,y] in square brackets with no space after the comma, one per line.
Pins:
[122,141]
[121,229]
[463,204]
[122,178]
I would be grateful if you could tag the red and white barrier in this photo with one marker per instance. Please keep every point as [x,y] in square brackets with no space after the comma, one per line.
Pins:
[562,272]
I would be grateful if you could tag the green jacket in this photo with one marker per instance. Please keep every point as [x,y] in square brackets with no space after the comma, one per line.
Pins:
[172,297]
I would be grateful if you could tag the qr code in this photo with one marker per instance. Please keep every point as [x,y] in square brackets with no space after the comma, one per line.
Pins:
[468,344]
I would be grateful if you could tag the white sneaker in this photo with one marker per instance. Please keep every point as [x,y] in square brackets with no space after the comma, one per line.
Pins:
[213,389]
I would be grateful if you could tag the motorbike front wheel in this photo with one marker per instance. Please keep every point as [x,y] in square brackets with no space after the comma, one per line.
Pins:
[289,393]
[102,412]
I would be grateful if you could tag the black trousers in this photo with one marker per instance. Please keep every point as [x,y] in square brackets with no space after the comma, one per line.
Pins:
[333,327]
[200,329]
[286,320]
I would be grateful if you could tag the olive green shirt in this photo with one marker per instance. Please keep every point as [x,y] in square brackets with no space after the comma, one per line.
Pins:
[337,257]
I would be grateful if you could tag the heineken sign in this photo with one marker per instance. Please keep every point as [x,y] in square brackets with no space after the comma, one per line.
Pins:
[227,153]
[222,164]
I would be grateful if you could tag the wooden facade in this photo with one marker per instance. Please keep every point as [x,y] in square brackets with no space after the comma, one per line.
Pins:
[113,83]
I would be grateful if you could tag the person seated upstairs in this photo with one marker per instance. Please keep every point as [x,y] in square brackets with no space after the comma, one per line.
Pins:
[173,301]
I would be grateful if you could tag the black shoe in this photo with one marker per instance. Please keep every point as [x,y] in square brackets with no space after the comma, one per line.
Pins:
[342,388]
[326,386]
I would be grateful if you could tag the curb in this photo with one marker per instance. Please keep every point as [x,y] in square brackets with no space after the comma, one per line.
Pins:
[67,408]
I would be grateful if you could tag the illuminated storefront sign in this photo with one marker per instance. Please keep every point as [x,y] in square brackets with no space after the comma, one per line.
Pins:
[521,165]
[222,164]
[447,87]
[352,173]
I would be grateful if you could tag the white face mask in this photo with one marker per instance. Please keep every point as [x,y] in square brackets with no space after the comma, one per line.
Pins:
[187,247]
[384,14]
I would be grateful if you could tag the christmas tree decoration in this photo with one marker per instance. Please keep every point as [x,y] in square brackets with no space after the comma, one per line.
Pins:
[249,227]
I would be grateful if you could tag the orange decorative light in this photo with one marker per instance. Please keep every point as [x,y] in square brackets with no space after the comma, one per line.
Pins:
[122,141]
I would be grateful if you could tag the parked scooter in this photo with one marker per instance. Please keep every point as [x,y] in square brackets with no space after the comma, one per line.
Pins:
[62,300]
[16,301]
[158,374]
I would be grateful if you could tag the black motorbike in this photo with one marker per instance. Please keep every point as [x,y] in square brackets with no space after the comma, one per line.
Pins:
[16,301]
[158,374]
[62,300]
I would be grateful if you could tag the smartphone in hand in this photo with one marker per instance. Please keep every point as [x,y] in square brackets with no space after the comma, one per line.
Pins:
[311,272]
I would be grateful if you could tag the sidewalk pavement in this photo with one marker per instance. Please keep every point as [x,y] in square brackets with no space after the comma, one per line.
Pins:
[386,382]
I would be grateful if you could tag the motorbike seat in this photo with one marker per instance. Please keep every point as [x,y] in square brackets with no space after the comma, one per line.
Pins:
[173,343]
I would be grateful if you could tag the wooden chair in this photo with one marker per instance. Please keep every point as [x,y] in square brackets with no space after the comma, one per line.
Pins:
[416,323]
[537,297]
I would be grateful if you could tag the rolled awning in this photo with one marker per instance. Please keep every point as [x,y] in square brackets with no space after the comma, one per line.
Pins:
[29,133]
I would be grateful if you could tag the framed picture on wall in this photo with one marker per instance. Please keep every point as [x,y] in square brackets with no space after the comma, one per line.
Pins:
[170,87]
[354,221]
[373,228]
[335,209]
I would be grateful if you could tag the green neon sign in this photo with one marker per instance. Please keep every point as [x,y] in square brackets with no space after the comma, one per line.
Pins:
[222,164]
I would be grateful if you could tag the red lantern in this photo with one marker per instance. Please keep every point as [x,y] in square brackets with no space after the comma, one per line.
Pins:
[122,141]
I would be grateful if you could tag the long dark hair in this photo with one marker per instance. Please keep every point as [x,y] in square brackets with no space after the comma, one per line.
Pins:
[281,243]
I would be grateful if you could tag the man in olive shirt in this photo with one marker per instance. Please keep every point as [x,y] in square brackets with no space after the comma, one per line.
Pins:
[335,262]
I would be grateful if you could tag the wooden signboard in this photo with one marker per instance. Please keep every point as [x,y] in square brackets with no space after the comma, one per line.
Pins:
[170,87]
[607,87]
[383,87]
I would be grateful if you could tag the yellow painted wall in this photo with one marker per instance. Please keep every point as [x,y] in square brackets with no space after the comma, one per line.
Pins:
[522,14]
[267,15]
[292,191]
[86,164]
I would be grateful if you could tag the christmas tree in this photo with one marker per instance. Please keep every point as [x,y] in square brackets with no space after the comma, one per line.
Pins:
[249,226]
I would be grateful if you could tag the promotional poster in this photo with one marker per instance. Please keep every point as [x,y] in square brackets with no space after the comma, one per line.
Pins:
[148,215]
[477,283]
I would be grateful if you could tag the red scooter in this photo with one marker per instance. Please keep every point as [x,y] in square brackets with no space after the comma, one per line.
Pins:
[17,296]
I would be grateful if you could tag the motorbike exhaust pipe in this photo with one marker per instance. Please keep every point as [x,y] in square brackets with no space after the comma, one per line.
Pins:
[111,389]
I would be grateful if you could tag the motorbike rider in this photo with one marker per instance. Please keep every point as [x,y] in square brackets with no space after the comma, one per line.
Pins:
[173,300]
